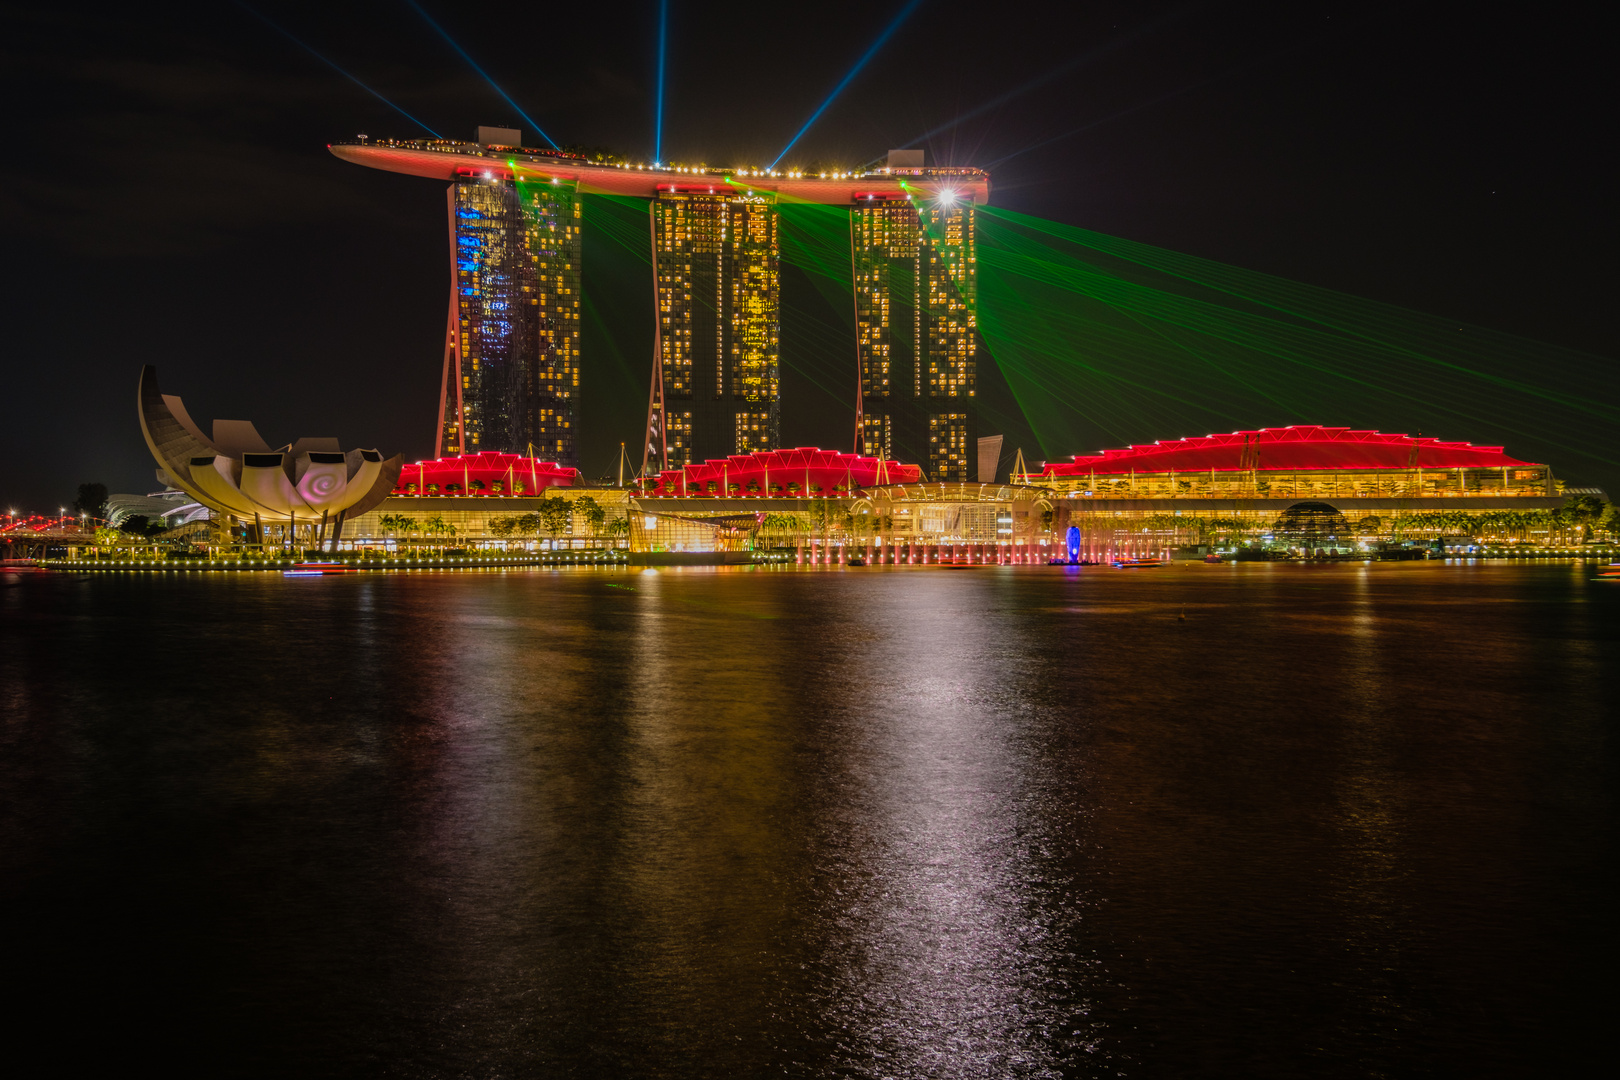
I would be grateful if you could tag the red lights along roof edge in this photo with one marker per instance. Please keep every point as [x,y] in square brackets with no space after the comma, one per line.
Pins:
[643,182]
[1291,448]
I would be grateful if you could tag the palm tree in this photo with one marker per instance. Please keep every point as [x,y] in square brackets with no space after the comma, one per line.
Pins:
[400,525]
[1583,511]
[787,526]
[1611,521]
[554,516]
[437,526]
[774,526]
[595,514]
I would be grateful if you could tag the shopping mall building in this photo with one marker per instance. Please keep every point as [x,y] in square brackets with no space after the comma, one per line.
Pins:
[1305,487]
[1309,489]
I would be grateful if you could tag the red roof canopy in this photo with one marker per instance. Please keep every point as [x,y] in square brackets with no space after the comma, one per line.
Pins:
[1302,447]
[779,472]
[478,474]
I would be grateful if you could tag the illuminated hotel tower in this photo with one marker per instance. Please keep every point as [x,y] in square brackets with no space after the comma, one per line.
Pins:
[511,364]
[716,383]
[916,278]
[511,370]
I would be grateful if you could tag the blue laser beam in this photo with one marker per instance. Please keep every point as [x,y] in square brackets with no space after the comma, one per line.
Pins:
[888,32]
[658,122]
[1111,117]
[337,69]
[474,64]
[1088,57]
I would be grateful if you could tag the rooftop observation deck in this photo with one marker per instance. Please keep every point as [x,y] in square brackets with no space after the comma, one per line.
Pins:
[444,160]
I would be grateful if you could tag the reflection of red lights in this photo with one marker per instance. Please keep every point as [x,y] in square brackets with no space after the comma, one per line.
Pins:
[783,473]
[487,473]
[1302,447]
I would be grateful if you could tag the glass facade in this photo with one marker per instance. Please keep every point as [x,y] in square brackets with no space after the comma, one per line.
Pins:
[553,223]
[716,258]
[512,360]
[1417,483]
[916,274]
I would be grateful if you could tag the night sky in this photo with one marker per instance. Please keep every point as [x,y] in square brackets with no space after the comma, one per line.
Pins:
[166,196]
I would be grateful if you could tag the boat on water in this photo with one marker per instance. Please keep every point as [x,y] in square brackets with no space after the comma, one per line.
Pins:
[1612,570]
[316,569]
[1136,564]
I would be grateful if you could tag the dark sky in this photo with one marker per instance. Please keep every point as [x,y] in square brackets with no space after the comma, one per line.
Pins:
[166,196]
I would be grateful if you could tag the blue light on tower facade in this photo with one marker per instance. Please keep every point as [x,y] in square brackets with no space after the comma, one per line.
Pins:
[511,380]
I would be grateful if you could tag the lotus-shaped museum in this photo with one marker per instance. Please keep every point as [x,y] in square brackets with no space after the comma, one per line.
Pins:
[310,482]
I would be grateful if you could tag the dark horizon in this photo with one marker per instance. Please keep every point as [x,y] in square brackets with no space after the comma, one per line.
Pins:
[188,215]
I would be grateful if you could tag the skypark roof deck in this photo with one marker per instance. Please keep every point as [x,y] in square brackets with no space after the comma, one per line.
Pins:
[444,160]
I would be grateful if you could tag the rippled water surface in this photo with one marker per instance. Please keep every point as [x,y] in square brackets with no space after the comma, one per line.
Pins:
[1253,820]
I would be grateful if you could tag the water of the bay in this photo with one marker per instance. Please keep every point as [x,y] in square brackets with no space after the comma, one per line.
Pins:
[1260,820]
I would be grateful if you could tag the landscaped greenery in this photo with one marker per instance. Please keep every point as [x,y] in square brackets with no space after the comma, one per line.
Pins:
[1583,519]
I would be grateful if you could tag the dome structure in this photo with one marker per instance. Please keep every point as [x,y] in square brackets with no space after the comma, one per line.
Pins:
[1311,523]
[804,471]
[237,473]
[485,473]
[1299,448]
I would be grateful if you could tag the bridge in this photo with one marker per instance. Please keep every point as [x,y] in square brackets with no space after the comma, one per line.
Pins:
[24,539]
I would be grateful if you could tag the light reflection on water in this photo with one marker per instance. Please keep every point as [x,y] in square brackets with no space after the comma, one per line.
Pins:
[939,965]
[1256,820]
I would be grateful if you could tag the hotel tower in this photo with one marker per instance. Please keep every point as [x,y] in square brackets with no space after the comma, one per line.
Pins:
[512,360]
[916,277]
[511,354]
[716,373]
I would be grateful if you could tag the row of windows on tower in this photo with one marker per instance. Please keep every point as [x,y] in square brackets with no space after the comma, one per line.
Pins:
[704,229]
